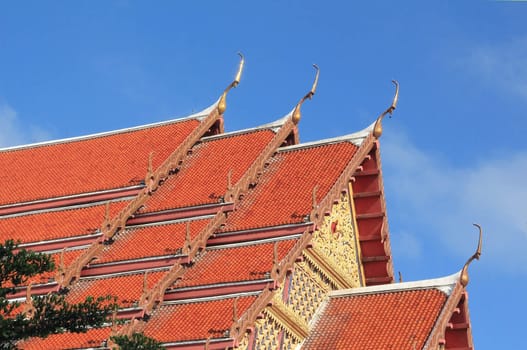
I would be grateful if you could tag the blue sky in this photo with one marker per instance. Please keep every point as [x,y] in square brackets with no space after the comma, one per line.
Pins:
[454,152]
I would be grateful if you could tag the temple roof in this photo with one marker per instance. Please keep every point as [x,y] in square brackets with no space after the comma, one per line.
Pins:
[180,221]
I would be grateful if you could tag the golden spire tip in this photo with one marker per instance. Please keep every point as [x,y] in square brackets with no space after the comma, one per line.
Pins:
[222,105]
[464,272]
[377,129]
[309,95]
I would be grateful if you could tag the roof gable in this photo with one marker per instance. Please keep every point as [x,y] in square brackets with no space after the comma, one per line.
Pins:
[394,316]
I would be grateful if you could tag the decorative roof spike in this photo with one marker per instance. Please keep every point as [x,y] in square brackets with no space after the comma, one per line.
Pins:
[400,277]
[150,166]
[275,254]
[62,266]
[235,310]
[229,180]
[222,105]
[296,113]
[145,282]
[314,197]
[107,218]
[114,317]
[464,273]
[149,178]
[29,308]
[377,129]
[187,237]
[28,293]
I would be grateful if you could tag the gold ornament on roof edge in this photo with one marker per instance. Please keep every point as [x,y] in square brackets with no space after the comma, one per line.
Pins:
[377,129]
[222,105]
[309,95]
[464,273]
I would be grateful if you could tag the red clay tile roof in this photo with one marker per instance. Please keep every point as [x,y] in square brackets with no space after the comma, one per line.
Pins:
[392,320]
[244,263]
[150,241]
[203,177]
[127,288]
[87,165]
[284,194]
[171,323]
[93,338]
[55,224]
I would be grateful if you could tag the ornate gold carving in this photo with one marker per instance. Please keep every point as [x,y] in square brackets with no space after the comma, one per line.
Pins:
[296,113]
[289,342]
[222,105]
[377,129]
[244,343]
[308,290]
[464,273]
[335,246]
[289,321]
[267,333]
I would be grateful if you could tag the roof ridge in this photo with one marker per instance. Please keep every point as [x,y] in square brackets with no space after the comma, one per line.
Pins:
[356,138]
[274,126]
[198,115]
[444,284]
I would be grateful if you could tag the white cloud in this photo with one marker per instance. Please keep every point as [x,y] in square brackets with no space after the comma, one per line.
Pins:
[440,201]
[502,64]
[13,132]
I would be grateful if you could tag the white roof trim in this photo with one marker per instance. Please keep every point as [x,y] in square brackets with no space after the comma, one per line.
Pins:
[254,242]
[357,138]
[212,298]
[199,341]
[216,285]
[279,122]
[274,126]
[124,273]
[199,115]
[444,284]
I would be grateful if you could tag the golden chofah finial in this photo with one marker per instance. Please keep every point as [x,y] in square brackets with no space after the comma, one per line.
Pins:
[377,129]
[222,105]
[309,95]
[464,273]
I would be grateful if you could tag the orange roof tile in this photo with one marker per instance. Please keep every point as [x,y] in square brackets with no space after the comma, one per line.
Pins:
[171,323]
[93,338]
[150,241]
[244,263]
[394,320]
[127,288]
[203,177]
[56,224]
[284,193]
[86,165]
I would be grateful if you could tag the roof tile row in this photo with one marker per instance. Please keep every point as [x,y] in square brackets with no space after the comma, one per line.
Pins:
[87,165]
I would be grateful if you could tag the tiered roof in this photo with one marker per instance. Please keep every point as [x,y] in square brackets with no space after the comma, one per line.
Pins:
[195,231]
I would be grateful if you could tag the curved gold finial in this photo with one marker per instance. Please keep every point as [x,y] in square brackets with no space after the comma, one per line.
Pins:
[309,95]
[222,105]
[377,129]
[464,273]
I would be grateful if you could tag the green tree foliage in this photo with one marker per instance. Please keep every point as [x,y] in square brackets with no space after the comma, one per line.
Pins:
[51,313]
[137,341]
